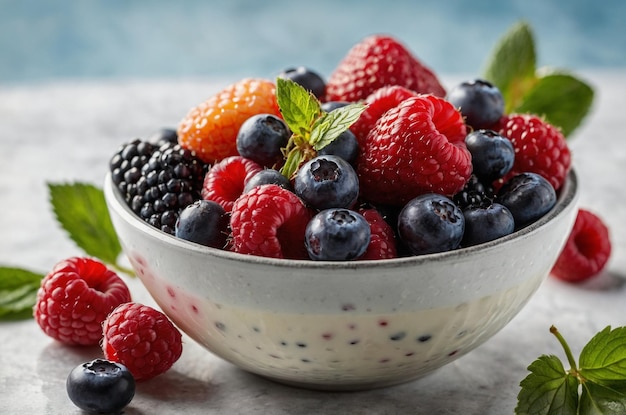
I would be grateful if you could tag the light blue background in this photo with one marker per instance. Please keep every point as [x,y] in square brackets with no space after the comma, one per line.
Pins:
[44,40]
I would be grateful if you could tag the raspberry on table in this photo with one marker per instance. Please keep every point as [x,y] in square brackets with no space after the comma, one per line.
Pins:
[226,180]
[210,129]
[378,61]
[141,338]
[75,298]
[280,233]
[587,250]
[539,148]
[416,147]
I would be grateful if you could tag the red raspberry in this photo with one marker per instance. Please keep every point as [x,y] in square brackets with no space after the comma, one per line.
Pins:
[383,241]
[539,148]
[225,181]
[142,339]
[375,62]
[269,221]
[211,128]
[75,298]
[586,251]
[378,102]
[415,148]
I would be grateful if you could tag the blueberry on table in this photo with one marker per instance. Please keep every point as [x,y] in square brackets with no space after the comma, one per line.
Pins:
[431,223]
[326,182]
[486,223]
[307,78]
[261,138]
[100,386]
[493,155]
[528,196]
[204,222]
[268,176]
[344,146]
[337,235]
[480,103]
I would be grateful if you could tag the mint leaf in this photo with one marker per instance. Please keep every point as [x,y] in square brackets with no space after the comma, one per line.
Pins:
[561,98]
[81,210]
[330,125]
[601,400]
[603,359]
[548,389]
[18,293]
[512,63]
[298,106]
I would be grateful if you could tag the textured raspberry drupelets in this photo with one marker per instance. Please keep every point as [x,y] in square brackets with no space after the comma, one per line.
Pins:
[375,62]
[417,147]
[226,180]
[586,251]
[378,102]
[142,339]
[382,241]
[269,221]
[539,148]
[210,129]
[75,298]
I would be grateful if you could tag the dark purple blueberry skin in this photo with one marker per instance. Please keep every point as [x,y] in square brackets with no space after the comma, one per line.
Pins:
[261,138]
[100,386]
[483,224]
[204,222]
[164,136]
[528,196]
[337,235]
[480,103]
[268,176]
[431,223]
[327,182]
[307,78]
[333,105]
[344,146]
[492,154]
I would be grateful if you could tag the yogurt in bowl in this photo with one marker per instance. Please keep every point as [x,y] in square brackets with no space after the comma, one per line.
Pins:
[343,325]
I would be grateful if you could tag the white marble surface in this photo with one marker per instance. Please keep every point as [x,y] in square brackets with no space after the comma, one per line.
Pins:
[67,132]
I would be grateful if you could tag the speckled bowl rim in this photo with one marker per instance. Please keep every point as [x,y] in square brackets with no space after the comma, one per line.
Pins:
[566,196]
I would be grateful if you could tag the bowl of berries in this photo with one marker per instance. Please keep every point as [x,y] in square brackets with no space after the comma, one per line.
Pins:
[355,235]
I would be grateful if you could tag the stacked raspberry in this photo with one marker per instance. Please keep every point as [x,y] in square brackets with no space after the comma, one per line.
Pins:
[415,171]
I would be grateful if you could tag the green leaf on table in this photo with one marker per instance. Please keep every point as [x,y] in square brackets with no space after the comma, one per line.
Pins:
[562,98]
[598,399]
[603,359]
[511,65]
[81,210]
[548,389]
[299,108]
[18,293]
[330,125]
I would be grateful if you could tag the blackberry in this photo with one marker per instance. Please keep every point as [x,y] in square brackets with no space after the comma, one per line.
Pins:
[126,165]
[170,181]
[475,193]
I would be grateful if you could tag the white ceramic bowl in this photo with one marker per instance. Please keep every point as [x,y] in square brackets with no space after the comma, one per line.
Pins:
[343,325]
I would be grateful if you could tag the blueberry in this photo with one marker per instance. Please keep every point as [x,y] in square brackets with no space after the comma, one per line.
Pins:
[344,146]
[337,235]
[431,223]
[307,78]
[204,222]
[480,102]
[492,154]
[100,386]
[164,136]
[483,224]
[528,196]
[267,176]
[261,139]
[326,182]
[333,105]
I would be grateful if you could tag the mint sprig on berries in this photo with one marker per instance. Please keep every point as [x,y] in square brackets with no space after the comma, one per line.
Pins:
[558,95]
[312,128]
[597,385]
